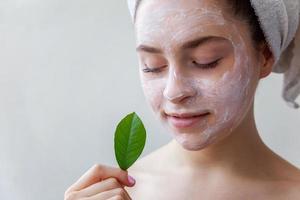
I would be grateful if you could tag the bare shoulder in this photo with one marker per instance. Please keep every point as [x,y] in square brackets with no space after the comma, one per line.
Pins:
[286,182]
[294,187]
[289,188]
[295,190]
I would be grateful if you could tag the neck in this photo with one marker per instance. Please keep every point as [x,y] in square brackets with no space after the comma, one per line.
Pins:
[242,151]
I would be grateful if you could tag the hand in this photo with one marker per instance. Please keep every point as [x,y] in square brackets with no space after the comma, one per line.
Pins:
[100,182]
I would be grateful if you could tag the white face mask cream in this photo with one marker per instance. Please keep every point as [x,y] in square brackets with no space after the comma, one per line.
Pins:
[214,76]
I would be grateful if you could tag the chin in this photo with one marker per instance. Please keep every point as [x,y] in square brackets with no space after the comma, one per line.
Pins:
[201,140]
[193,147]
[191,143]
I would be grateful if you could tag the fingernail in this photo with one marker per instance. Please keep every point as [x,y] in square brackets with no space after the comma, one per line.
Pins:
[131,180]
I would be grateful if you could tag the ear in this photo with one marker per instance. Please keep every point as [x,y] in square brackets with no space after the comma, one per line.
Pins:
[266,60]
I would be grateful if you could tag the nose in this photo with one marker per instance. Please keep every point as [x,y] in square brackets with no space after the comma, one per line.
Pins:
[178,87]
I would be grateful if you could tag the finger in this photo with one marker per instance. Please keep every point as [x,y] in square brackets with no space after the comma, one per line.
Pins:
[97,173]
[105,185]
[117,192]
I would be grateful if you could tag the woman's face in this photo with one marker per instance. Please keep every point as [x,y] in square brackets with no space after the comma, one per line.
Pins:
[195,60]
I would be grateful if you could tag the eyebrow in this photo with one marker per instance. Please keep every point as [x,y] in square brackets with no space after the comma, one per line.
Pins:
[188,45]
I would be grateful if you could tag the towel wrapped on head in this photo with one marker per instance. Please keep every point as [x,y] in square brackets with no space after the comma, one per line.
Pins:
[279,20]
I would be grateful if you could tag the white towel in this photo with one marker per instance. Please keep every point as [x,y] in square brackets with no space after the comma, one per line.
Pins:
[279,20]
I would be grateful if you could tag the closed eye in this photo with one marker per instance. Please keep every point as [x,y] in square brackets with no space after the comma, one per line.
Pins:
[153,70]
[207,65]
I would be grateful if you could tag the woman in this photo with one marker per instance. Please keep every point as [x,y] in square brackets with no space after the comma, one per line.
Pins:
[200,64]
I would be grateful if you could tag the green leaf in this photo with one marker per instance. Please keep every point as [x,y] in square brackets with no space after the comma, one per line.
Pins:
[129,140]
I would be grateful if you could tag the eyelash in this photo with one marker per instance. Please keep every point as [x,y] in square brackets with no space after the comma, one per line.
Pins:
[154,70]
[202,66]
[208,65]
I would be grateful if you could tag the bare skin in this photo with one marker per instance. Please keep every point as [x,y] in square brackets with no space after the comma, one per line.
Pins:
[221,157]
[239,167]
[235,164]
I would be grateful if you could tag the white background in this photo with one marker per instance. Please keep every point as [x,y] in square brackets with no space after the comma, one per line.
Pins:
[68,74]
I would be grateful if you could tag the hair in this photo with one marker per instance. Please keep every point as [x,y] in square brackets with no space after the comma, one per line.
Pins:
[244,10]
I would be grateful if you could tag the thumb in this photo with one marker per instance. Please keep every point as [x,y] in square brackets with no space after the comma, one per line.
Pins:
[126,179]
[131,180]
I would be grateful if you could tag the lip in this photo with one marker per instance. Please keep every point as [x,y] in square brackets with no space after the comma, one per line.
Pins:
[186,120]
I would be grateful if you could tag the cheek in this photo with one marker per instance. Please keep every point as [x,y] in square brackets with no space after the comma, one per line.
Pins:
[234,94]
[235,90]
[153,91]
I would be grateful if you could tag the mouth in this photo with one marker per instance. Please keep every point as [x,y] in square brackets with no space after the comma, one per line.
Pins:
[186,120]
